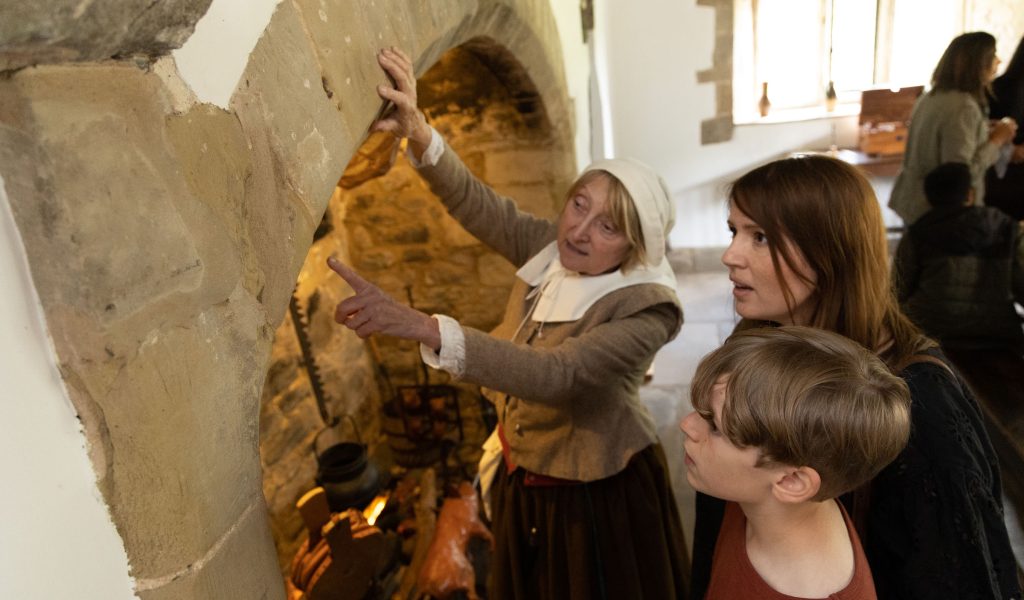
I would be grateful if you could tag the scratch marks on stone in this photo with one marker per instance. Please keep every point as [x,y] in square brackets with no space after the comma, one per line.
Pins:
[184,269]
[81,8]
[150,340]
[142,14]
[152,583]
[163,382]
[314,148]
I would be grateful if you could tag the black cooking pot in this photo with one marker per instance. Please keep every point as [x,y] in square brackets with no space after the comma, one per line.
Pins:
[348,477]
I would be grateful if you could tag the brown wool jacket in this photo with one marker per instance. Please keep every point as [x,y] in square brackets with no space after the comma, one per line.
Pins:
[567,394]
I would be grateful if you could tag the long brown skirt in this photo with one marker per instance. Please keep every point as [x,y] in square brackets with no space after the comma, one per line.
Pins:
[619,537]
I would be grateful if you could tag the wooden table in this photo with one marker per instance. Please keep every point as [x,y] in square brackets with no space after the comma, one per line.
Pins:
[886,165]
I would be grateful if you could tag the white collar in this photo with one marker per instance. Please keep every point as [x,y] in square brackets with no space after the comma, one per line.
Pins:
[567,295]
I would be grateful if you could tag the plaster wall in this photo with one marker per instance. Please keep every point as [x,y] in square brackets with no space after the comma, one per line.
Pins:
[213,58]
[51,512]
[576,57]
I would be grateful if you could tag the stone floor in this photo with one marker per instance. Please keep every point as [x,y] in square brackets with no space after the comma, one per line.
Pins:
[709,318]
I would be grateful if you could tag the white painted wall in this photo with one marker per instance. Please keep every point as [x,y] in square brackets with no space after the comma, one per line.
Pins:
[214,57]
[576,57]
[57,539]
[652,50]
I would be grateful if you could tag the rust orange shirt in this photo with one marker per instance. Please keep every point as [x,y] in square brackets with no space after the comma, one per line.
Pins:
[733,577]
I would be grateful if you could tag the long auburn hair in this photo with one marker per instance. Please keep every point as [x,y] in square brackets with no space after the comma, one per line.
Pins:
[826,209]
[965,65]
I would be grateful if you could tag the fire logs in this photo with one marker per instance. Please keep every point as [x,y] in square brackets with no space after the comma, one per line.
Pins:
[340,558]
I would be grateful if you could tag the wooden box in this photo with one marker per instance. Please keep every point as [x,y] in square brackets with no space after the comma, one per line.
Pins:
[884,118]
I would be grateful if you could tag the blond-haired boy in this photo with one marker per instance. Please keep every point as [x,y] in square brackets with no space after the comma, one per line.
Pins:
[786,420]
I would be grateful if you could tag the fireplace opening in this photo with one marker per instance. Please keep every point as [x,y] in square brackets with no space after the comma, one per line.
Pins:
[392,444]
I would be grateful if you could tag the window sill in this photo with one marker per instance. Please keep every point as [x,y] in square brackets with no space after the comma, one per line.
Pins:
[796,115]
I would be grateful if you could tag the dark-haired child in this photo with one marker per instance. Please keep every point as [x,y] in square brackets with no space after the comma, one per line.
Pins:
[958,269]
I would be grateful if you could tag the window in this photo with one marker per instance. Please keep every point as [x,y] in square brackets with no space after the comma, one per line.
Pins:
[798,46]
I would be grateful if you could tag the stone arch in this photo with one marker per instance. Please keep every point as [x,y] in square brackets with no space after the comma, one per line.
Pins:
[383,220]
[165,236]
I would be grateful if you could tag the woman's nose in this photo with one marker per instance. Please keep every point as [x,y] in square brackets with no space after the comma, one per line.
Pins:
[731,257]
[581,231]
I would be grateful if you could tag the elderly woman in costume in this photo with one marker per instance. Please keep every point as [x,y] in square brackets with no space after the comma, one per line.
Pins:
[580,498]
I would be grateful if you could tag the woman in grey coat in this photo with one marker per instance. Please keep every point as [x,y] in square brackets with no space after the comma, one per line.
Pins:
[950,123]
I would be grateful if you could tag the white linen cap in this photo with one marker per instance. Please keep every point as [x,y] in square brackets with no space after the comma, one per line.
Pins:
[651,198]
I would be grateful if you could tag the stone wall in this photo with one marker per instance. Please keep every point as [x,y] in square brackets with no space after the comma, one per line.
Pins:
[719,127]
[165,238]
[57,31]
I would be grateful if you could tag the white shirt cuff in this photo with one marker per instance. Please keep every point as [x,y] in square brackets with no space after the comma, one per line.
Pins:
[452,357]
[431,155]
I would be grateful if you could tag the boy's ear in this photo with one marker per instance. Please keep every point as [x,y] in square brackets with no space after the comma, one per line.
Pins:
[796,484]
[970,197]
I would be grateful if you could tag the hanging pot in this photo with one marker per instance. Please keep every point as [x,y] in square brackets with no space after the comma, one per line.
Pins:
[349,478]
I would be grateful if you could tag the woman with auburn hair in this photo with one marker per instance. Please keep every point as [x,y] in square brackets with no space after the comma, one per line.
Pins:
[809,248]
[950,123]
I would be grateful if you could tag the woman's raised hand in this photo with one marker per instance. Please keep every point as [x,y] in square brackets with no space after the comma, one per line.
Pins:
[370,311]
[406,120]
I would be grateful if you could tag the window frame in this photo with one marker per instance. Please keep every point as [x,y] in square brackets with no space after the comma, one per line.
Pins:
[747,86]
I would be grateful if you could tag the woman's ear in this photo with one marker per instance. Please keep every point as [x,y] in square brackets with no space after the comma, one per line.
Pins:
[796,484]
